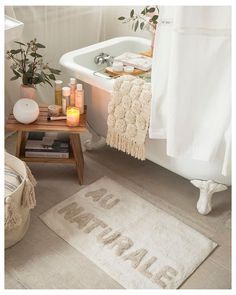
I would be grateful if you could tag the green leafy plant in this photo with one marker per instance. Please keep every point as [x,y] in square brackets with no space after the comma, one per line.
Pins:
[146,19]
[28,64]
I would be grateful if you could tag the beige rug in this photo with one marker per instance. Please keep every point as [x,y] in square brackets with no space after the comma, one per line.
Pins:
[137,244]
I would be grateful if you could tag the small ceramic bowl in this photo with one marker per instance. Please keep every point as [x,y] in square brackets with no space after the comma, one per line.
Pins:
[54,110]
[129,69]
[117,66]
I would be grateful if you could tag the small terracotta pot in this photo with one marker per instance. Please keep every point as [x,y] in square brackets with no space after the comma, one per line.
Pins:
[27,91]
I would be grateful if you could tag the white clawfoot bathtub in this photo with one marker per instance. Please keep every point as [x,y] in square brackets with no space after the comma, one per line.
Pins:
[80,64]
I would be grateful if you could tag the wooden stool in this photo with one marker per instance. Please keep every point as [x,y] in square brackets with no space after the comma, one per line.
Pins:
[43,125]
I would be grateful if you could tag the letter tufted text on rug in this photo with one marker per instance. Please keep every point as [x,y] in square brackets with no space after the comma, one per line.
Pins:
[114,239]
[137,244]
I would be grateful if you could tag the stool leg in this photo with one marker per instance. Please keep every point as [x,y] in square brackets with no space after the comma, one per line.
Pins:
[78,156]
[21,137]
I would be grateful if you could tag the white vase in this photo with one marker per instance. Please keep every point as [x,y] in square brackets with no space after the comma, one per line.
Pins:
[27,91]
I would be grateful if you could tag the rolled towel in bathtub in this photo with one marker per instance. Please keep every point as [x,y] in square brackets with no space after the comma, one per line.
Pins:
[128,115]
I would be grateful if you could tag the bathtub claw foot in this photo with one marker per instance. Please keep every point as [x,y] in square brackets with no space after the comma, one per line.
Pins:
[95,141]
[92,144]
[207,189]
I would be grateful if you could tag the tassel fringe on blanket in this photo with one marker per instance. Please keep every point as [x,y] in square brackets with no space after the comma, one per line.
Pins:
[124,144]
[128,115]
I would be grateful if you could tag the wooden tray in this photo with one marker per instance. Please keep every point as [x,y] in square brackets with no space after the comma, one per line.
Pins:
[147,53]
[134,73]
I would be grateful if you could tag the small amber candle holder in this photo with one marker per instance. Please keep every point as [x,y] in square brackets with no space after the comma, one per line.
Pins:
[72,116]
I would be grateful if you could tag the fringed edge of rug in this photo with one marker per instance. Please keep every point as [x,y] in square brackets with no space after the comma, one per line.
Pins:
[12,217]
[126,145]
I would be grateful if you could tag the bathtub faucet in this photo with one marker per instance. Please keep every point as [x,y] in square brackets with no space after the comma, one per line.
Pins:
[103,58]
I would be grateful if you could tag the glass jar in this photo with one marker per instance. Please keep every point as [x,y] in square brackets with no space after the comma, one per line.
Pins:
[72,116]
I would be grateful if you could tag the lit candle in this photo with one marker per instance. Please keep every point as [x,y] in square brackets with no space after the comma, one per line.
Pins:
[72,116]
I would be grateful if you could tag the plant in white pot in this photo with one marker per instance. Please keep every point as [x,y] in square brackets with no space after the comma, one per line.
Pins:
[28,65]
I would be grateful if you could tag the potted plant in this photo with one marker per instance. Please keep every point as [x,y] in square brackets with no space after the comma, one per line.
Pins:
[27,64]
[147,19]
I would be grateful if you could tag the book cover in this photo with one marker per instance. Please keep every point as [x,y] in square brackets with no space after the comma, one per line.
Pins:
[36,135]
[45,154]
[37,145]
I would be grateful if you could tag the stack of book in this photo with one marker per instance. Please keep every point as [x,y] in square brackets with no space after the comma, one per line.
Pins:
[40,146]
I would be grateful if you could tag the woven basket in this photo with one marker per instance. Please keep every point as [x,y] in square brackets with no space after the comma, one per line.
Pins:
[19,202]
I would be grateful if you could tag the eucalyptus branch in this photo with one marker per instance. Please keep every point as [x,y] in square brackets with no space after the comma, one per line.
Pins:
[33,67]
[151,24]
[15,60]
[22,60]
[29,66]
[148,16]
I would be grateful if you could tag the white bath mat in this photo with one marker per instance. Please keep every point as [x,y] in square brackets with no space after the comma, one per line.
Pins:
[137,244]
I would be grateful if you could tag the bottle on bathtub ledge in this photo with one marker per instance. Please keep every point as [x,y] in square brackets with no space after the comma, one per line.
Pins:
[79,98]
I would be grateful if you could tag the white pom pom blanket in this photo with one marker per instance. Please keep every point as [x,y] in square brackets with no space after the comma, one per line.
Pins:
[128,115]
